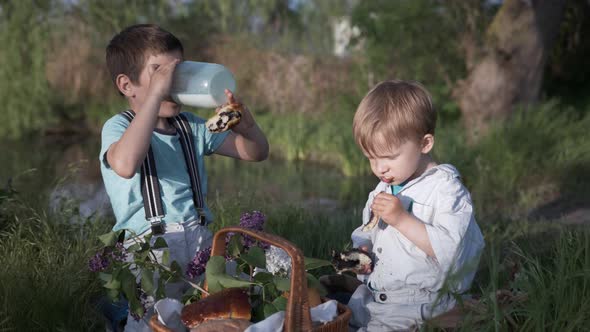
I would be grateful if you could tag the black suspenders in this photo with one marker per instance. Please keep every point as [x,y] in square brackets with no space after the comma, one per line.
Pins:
[150,188]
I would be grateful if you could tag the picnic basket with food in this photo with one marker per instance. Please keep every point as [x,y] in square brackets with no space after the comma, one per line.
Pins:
[229,309]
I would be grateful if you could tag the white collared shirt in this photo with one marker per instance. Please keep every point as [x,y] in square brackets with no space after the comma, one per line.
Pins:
[443,204]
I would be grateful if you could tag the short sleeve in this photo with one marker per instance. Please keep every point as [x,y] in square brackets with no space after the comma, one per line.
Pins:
[112,131]
[213,141]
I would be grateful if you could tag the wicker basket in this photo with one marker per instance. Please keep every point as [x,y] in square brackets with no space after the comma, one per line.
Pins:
[297,315]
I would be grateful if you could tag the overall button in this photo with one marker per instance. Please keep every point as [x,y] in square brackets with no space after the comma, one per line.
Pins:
[382,297]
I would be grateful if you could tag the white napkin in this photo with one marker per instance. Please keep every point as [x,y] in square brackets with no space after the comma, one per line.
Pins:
[168,311]
[322,313]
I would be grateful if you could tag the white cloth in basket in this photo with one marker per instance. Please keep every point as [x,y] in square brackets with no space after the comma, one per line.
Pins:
[322,313]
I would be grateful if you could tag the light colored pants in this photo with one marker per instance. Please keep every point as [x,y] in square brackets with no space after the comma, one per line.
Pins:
[183,240]
[395,311]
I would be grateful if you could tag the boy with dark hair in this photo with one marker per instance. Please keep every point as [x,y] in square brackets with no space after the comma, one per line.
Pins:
[154,134]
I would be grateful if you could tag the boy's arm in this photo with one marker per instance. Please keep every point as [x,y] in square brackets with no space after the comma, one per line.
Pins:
[246,141]
[127,154]
[391,210]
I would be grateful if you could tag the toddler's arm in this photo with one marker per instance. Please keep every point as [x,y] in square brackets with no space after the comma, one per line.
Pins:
[392,211]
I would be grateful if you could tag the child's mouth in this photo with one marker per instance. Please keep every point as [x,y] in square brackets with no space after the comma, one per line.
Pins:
[387,180]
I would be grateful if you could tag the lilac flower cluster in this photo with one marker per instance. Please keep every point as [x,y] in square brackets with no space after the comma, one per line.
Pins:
[254,221]
[196,267]
[102,260]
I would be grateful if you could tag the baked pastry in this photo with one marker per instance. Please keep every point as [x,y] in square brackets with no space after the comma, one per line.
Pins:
[371,224]
[354,260]
[230,303]
[227,117]
[225,325]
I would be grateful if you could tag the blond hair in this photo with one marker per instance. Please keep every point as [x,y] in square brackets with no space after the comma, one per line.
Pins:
[392,113]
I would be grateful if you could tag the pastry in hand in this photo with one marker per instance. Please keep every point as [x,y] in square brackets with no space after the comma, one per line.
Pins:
[355,260]
[371,224]
[227,117]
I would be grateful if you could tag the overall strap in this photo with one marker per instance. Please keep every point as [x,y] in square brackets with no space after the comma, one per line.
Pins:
[150,188]
[180,122]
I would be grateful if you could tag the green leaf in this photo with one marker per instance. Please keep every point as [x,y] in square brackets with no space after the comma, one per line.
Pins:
[263,277]
[257,313]
[140,256]
[161,291]
[113,294]
[134,247]
[255,257]
[121,235]
[314,263]
[109,239]
[147,281]
[166,258]
[176,272]
[160,243]
[106,277]
[113,284]
[129,289]
[282,284]
[216,277]
[313,282]
[235,247]
[269,309]
[280,303]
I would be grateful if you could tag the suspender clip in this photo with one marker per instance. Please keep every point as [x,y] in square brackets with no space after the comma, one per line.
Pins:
[157,225]
[202,216]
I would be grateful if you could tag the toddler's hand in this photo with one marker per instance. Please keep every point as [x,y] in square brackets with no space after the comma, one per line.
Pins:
[389,207]
[247,120]
[161,79]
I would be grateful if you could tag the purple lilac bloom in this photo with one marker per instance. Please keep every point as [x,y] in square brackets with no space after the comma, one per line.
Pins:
[119,253]
[98,262]
[254,221]
[196,267]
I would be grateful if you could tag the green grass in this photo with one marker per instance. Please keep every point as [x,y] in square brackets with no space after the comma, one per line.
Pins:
[536,156]
[45,284]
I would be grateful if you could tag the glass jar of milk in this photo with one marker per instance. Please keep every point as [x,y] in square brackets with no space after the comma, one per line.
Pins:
[201,84]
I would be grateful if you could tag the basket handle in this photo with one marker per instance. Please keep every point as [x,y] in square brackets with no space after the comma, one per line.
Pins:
[297,316]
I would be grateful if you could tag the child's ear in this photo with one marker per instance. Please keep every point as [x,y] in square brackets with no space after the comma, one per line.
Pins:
[427,143]
[124,85]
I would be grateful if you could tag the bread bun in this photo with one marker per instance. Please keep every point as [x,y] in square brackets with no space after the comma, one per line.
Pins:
[230,303]
[227,117]
[225,325]
[371,224]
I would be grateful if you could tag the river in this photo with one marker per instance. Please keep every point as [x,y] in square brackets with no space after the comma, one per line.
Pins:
[45,170]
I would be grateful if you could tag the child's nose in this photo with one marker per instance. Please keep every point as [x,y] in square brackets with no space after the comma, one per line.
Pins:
[382,167]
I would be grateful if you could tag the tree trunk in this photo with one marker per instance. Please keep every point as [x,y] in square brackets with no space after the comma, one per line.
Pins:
[510,70]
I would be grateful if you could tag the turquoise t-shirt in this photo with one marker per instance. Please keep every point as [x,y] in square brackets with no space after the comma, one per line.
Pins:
[395,189]
[175,188]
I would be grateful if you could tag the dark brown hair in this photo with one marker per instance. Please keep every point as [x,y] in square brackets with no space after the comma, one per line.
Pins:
[391,113]
[128,50]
